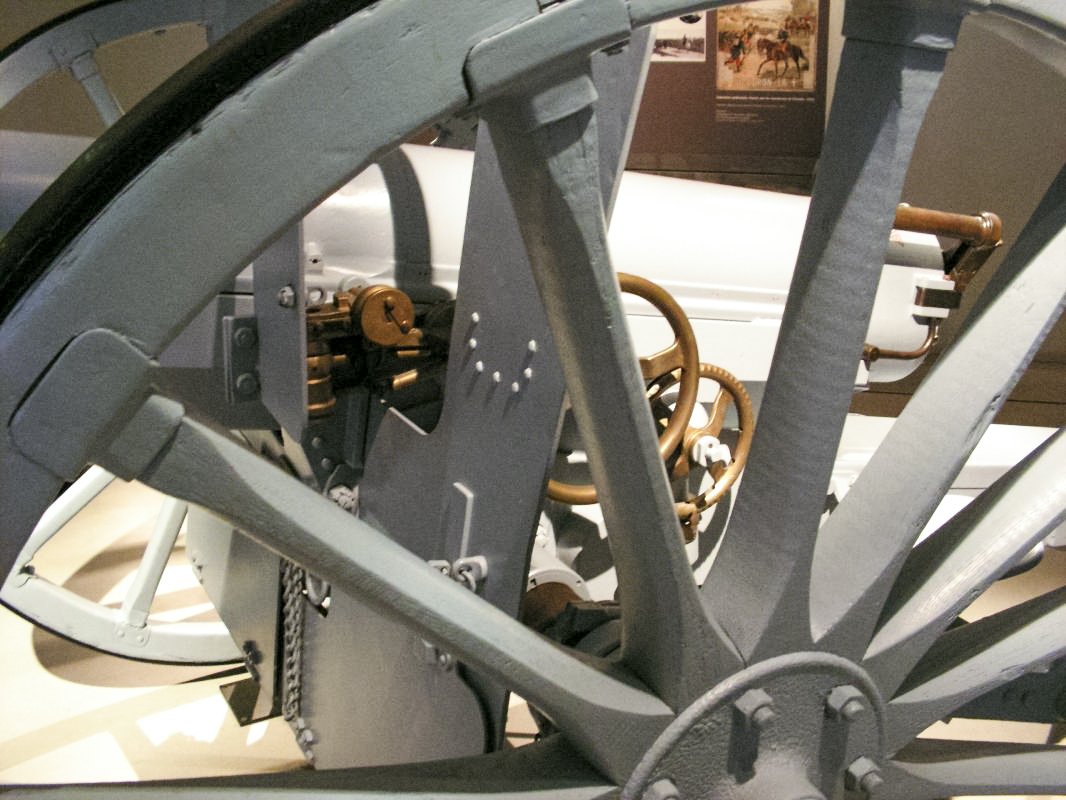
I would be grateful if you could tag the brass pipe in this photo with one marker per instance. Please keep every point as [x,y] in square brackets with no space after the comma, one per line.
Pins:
[872,353]
[978,235]
[981,230]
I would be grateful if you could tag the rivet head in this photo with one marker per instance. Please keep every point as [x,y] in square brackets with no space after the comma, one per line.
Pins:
[244,337]
[287,297]
[247,384]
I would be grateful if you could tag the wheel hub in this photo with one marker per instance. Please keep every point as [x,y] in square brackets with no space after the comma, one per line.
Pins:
[803,725]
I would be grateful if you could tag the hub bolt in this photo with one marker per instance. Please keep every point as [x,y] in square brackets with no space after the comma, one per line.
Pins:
[757,707]
[863,775]
[846,703]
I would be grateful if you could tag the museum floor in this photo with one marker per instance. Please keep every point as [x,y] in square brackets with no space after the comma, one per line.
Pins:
[72,714]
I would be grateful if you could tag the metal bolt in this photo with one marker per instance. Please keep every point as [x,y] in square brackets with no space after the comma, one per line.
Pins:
[846,703]
[757,707]
[864,775]
[763,716]
[244,338]
[287,297]
[663,789]
[445,662]
[247,384]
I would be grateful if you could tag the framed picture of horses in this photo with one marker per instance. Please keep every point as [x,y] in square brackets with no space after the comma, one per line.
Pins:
[737,95]
[768,45]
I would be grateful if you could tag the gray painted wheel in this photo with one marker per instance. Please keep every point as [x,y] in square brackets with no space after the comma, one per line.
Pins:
[812,657]
[69,43]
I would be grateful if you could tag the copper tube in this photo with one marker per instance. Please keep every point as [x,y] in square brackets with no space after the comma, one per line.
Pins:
[872,353]
[984,229]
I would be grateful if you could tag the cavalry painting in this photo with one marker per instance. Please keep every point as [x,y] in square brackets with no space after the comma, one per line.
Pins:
[768,46]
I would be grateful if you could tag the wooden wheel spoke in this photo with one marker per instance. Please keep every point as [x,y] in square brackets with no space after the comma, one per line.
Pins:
[932,768]
[552,174]
[69,504]
[207,468]
[972,380]
[760,583]
[545,769]
[807,611]
[139,597]
[969,661]
[943,574]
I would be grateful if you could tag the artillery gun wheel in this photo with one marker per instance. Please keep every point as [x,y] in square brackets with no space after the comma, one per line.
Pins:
[813,655]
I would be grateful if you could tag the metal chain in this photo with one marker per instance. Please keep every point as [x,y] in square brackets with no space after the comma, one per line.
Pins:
[292,595]
[294,585]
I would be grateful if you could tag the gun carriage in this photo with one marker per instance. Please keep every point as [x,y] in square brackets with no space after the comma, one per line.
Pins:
[385,498]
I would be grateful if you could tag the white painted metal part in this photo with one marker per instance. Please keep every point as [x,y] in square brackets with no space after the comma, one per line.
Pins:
[725,253]
[705,243]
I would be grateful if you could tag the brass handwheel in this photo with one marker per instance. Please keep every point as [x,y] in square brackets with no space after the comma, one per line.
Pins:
[681,356]
[731,390]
